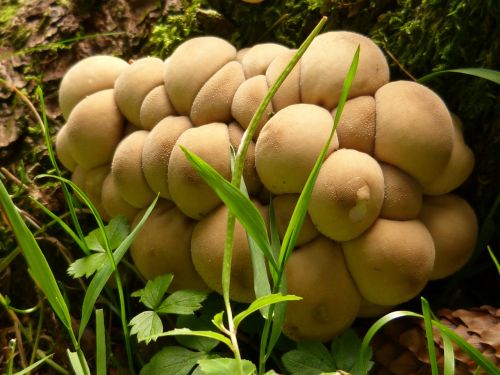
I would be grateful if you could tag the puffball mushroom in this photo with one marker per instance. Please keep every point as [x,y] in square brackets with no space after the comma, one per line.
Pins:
[326,62]
[453,227]
[63,151]
[289,91]
[289,144]
[404,108]
[348,195]
[155,107]
[94,179]
[163,246]
[134,83]
[317,272]
[92,74]
[258,58]
[187,189]
[94,129]
[113,203]
[392,261]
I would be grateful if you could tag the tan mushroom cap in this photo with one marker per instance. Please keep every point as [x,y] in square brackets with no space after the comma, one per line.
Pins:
[317,272]
[356,128]
[190,67]
[247,99]
[392,261]
[240,54]
[94,129]
[348,195]
[134,83]
[459,166]
[250,176]
[163,245]
[94,179]
[213,101]
[258,58]
[207,252]
[157,149]
[86,77]
[188,190]
[283,209]
[402,194]
[372,310]
[289,144]
[127,170]
[113,203]
[414,130]
[289,91]
[78,176]
[63,151]
[453,227]
[326,62]
[155,107]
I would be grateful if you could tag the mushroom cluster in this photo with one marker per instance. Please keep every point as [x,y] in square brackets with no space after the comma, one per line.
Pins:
[381,221]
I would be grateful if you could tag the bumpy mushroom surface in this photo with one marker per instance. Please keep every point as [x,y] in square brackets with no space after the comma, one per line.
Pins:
[356,128]
[127,170]
[187,189]
[63,151]
[191,65]
[155,107]
[326,63]
[289,144]
[163,246]
[405,108]
[289,91]
[94,129]
[157,149]
[94,179]
[207,251]
[392,261]
[258,58]
[86,77]
[453,227]
[348,195]
[113,203]
[134,83]
[330,299]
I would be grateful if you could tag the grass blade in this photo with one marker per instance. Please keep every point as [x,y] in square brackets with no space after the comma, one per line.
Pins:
[488,74]
[493,257]
[187,332]
[100,343]
[33,366]
[449,355]
[426,310]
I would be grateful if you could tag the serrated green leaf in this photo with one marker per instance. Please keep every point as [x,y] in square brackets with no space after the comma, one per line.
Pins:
[182,302]
[172,360]
[218,366]
[87,266]
[300,362]
[319,351]
[116,231]
[152,294]
[271,372]
[146,325]
[345,350]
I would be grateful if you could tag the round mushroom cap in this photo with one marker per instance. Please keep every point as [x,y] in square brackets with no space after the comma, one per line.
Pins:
[113,203]
[188,190]
[392,261]
[94,129]
[134,83]
[283,209]
[127,170]
[372,310]
[356,128]
[86,77]
[453,227]
[402,194]
[348,195]
[207,252]
[190,67]
[63,151]
[258,58]
[327,60]
[250,176]
[78,176]
[155,107]
[289,144]
[213,101]
[317,272]
[157,149]
[289,91]
[459,166]
[163,245]
[94,179]
[247,99]
[414,130]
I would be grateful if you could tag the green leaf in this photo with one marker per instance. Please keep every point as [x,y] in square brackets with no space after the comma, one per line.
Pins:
[188,332]
[309,360]
[76,365]
[494,259]
[345,350]
[88,265]
[429,335]
[218,321]
[196,323]
[116,231]
[488,74]
[101,367]
[449,355]
[218,366]
[182,302]
[271,372]
[260,303]
[172,360]
[33,366]
[147,325]
[152,294]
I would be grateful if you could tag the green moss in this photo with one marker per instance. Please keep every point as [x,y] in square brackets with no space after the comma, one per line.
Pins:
[7,11]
